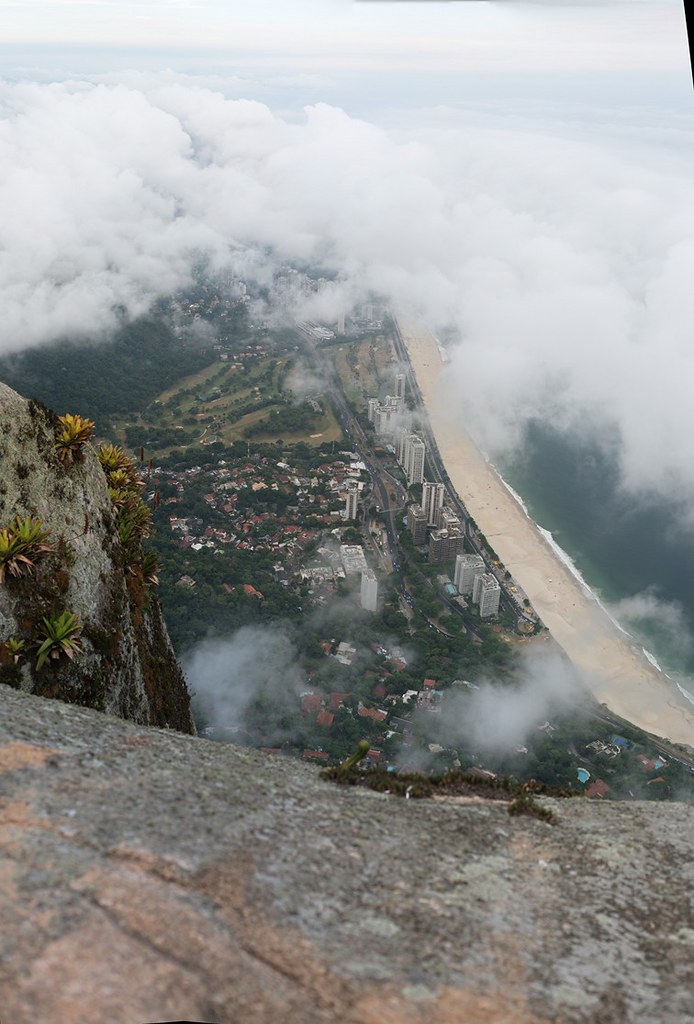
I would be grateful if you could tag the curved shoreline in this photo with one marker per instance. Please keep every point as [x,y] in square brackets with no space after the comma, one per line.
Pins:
[613,667]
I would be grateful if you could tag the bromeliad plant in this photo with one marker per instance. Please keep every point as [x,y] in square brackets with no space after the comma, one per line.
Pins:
[113,458]
[12,649]
[150,568]
[71,435]
[133,516]
[13,560]
[22,545]
[60,637]
[122,477]
[31,532]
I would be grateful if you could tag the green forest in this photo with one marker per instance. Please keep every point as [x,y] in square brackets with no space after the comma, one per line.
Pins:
[97,379]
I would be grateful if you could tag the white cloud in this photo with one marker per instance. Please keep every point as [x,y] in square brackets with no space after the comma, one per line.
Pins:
[227,676]
[497,717]
[565,262]
[663,621]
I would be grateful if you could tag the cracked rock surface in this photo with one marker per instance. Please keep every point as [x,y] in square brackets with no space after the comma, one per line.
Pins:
[150,876]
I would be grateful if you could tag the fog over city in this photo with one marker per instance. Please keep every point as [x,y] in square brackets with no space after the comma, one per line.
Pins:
[563,262]
[558,244]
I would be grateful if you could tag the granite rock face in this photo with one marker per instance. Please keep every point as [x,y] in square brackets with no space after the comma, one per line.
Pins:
[149,876]
[127,666]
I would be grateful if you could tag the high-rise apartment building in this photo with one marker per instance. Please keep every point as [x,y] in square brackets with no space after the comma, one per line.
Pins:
[352,499]
[400,385]
[432,500]
[369,590]
[447,519]
[444,545]
[386,415]
[413,464]
[466,568]
[417,524]
[486,593]
[400,439]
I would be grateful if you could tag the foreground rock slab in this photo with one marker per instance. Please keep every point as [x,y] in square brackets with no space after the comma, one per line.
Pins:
[150,876]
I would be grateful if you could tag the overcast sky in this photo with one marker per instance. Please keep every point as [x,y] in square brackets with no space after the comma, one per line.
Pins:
[522,170]
[506,34]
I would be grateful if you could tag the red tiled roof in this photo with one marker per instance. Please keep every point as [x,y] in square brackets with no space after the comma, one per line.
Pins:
[325,718]
[311,703]
[598,789]
[373,713]
[645,762]
[336,699]
[316,755]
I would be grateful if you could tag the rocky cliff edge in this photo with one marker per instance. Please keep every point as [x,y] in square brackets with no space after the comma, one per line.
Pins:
[149,876]
[126,665]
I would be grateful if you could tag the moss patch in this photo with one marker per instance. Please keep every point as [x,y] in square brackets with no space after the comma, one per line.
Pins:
[451,784]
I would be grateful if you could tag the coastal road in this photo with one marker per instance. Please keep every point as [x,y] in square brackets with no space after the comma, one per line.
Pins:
[511,601]
[385,485]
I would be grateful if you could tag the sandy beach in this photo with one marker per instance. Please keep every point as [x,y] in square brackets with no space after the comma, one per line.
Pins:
[615,669]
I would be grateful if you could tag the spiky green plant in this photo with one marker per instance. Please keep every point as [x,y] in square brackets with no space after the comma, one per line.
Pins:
[121,498]
[22,544]
[113,458]
[31,532]
[135,523]
[150,568]
[61,637]
[13,648]
[124,486]
[121,478]
[71,435]
[13,557]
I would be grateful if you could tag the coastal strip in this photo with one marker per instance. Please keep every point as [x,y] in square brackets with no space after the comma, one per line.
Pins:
[612,666]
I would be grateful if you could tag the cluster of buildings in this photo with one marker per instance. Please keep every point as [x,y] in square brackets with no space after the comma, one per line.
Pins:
[388,418]
[285,534]
[472,580]
[437,525]
[320,708]
[314,331]
[447,530]
[309,503]
[354,563]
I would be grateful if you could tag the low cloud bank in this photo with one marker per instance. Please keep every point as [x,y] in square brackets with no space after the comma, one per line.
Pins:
[495,718]
[664,621]
[227,675]
[563,263]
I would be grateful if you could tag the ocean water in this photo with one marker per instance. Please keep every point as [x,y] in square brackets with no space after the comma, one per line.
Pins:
[631,551]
